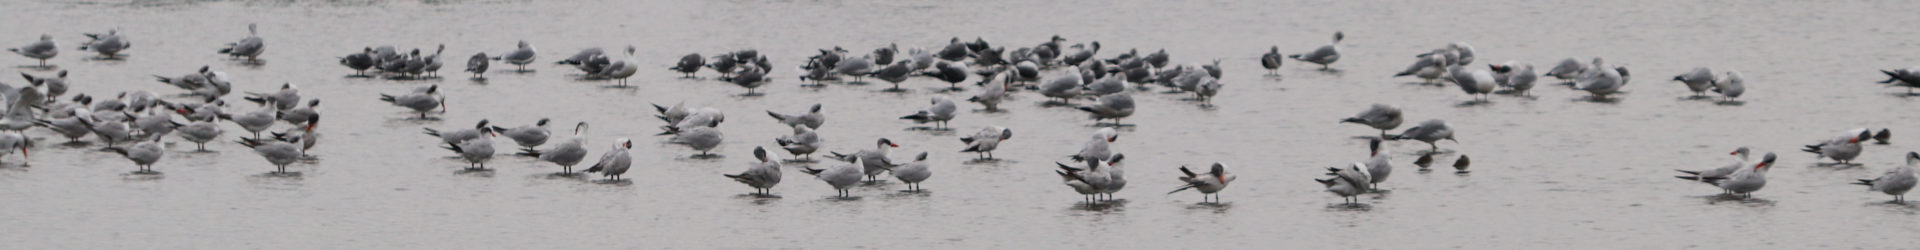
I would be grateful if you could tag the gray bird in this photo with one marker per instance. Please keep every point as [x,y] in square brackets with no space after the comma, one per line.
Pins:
[143,154]
[528,136]
[41,50]
[840,177]
[1325,55]
[985,141]
[812,119]
[802,143]
[1429,131]
[566,153]
[873,161]
[477,64]
[519,57]
[249,47]
[108,45]
[419,101]
[762,175]
[614,162]
[477,151]
[704,139]
[942,111]
[1113,107]
[1211,183]
[913,173]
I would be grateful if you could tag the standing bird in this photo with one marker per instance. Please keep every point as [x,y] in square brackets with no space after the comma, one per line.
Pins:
[856,67]
[1567,70]
[750,77]
[942,111]
[200,131]
[1742,182]
[1347,182]
[1325,54]
[1460,165]
[56,85]
[41,50]
[872,161]
[529,136]
[108,45]
[1430,67]
[249,47]
[759,175]
[1098,148]
[840,177]
[1271,60]
[1519,77]
[985,141]
[995,91]
[519,57]
[1699,80]
[359,62]
[567,153]
[913,173]
[802,143]
[1475,82]
[1895,182]
[286,98]
[14,141]
[689,65]
[301,115]
[1429,131]
[143,154]
[1842,149]
[1379,164]
[1732,86]
[277,152]
[1209,184]
[1602,80]
[703,139]
[812,119]
[621,69]
[477,151]
[1740,159]
[421,101]
[895,73]
[457,135]
[477,64]
[614,162]
[1114,107]
[1091,181]
[1065,86]
[1380,116]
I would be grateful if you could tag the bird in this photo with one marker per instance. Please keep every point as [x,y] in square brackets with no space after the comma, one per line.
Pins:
[1098,147]
[1731,86]
[286,98]
[359,62]
[566,153]
[1740,159]
[614,162]
[1090,181]
[1346,182]
[528,136]
[1325,55]
[985,141]
[420,101]
[1430,67]
[56,85]
[912,173]
[1895,182]
[802,143]
[1429,131]
[477,150]
[249,47]
[433,62]
[10,142]
[1518,76]
[895,73]
[43,49]
[143,154]
[1114,107]
[762,175]
[1271,60]
[1066,85]
[1379,116]
[750,77]
[840,177]
[872,161]
[856,67]
[1567,70]
[1744,181]
[1116,176]
[951,72]
[1698,80]
[301,114]
[1475,82]
[1379,164]
[1883,136]
[1602,81]
[1211,183]
[457,135]
[689,64]
[477,64]
[277,152]
[519,57]
[938,114]
[812,119]
[621,69]
[704,139]
[1842,149]
[108,44]
[200,131]
[993,92]
[1460,165]
[1426,160]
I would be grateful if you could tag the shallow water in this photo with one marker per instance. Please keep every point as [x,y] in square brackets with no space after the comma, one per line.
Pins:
[1550,171]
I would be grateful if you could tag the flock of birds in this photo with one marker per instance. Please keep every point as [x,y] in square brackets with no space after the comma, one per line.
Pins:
[134,123]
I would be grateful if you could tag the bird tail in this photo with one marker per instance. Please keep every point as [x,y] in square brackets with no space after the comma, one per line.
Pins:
[1695,173]
[387,98]
[920,117]
[1891,77]
[430,131]
[811,170]
[1353,120]
[1865,182]
[1812,149]
[1182,188]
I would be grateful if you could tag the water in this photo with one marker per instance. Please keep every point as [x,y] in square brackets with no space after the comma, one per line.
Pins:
[1554,171]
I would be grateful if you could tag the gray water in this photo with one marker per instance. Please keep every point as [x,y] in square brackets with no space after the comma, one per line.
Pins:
[1550,171]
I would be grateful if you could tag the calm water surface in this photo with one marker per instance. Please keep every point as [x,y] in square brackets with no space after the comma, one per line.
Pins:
[1551,171]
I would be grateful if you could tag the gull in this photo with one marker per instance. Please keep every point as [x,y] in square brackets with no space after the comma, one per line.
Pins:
[1429,131]
[108,45]
[1517,76]
[1429,67]
[750,77]
[840,177]
[56,85]
[689,64]
[703,139]
[1895,182]
[1115,107]
[913,173]
[623,68]
[1379,116]
[895,73]
[1112,84]
[857,67]
[300,115]
[73,126]
[519,57]
[1081,53]
[1065,86]
[759,175]
[200,132]
[1732,86]
[615,161]
[872,161]
[703,117]
[1744,181]
[1699,80]
[14,141]
[1325,54]
[477,150]
[1208,88]
[286,98]
[1567,70]
[884,55]
[433,62]
[1091,181]
[359,62]
[304,135]
[951,72]
[1271,60]
[528,136]
[590,61]
[985,141]
[1740,160]
[1116,176]
[1603,81]
[1211,183]
[478,65]
[1347,182]
[802,143]
[457,135]
[941,112]
[143,154]
[567,153]
[255,121]
[249,47]
[110,131]
[816,71]
[1476,82]
[1379,164]
[153,122]
[419,101]
[277,152]
[812,119]
[1842,149]
[1098,147]
[42,50]
[993,93]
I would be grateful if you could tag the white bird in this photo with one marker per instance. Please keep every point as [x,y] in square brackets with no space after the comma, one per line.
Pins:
[802,143]
[1895,182]
[1379,116]
[913,173]
[457,135]
[614,162]
[985,141]
[519,57]
[1429,131]
[1211,183]
[249,47]
[1742,182]
[1347,182]
[108,45]
[994,91]
[1429,67]
[42,50]
[56,85]
[286,98]
[812,119]
[14,141]
[277,152]
[1089,182]
[200,132]
[477,151]
[1699,80]
[566,153]
[1567,70]
[623,68]
[1116,176]
[1325,54]
[528,136]
[143,154]
[1379,164]
[1732,86]
[872,161]
[1209,87]
[1602,80]
[759,175]
[1842,149]
[855,67]
[1065,86]
[1097,148]
[840,177]
[943,110]
[1475,82]
[1740,160]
